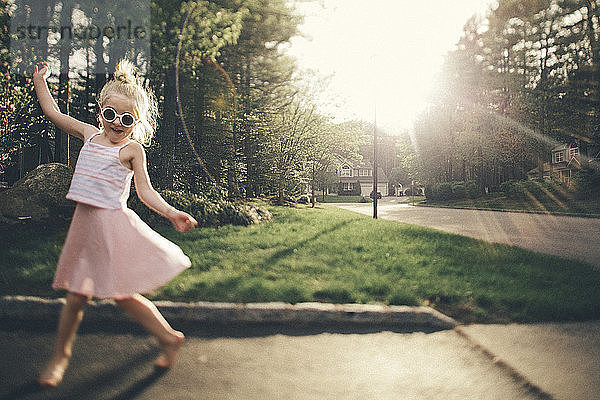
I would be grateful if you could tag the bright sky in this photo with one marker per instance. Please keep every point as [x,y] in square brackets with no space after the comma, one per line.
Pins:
[388,50]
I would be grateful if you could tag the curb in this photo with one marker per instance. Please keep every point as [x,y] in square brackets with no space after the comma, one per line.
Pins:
[35,308]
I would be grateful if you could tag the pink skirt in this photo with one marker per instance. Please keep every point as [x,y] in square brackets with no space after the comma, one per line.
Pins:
[112,253]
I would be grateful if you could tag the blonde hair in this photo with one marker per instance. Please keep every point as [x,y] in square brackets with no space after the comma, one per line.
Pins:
[126,83]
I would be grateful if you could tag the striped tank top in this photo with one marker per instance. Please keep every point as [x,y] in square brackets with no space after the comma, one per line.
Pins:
[100,179]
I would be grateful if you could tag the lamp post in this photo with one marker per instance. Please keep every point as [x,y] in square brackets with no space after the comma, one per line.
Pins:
[374,192]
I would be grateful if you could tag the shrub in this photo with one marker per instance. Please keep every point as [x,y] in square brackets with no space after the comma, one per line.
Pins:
[472,190]
[456,190]
[440,191]
[208,212]
[522,190]
[304,199]
[409,192]
[513,189]
[444,191]
[587,183]
[459,191]
[534,188]
[431,192]
[555,187]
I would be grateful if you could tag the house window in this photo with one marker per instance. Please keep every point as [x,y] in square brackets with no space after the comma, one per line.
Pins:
[574,151]
[558,157]
[348,186]
[346,171]
[364,172]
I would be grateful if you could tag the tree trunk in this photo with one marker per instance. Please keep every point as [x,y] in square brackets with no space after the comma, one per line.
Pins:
[100,65]
[61,141]
[168,130]
[592,10]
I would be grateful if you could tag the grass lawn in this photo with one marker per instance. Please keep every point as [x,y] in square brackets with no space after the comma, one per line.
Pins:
[343,199]
[332,255]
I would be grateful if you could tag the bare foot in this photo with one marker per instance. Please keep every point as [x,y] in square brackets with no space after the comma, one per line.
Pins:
[53,374]
[170,350]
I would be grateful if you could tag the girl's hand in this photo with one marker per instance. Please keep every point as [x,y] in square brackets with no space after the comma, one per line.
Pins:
[182,221]
[42,70]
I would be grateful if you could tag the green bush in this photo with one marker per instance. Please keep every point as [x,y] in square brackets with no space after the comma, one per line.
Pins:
[214,211]
[458,190]
[539,189]
[430,192]
[555,187]
[304,199]
[472,190]
[534,188]
[587,183]
[513,189]
[444,191]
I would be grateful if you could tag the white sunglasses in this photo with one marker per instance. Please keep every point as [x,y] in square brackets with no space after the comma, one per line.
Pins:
[110,114]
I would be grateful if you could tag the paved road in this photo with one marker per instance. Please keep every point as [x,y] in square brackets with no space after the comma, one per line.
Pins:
[570,237]
[263,363]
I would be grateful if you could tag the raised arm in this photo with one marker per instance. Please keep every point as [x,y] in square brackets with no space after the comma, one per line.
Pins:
[64,122]
[135,154]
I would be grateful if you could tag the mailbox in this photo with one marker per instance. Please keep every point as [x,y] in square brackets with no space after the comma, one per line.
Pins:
[375,195]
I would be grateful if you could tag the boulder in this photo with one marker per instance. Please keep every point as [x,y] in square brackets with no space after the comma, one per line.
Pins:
[39,195]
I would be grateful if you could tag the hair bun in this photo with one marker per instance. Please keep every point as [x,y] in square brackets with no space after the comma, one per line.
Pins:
[125,72]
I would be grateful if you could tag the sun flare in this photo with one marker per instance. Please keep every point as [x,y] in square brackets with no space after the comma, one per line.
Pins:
[381,54]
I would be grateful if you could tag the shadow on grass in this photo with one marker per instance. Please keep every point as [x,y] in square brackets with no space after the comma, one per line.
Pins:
[289,250]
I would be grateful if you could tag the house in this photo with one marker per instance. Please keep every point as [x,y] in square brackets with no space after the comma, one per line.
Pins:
[566,159]
[357,178]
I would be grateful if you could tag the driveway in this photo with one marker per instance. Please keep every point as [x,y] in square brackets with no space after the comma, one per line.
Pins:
[570,237]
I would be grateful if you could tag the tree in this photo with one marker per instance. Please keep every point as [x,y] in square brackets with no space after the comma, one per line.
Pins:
[331,143]
[518,83]
[291,132]
[190,32]
[262,77]
[407,168]
[17,133]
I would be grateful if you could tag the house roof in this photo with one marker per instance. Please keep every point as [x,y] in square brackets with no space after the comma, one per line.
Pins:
[364,163]
[574,161]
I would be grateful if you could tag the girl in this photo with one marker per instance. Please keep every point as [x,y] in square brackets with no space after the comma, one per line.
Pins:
[109,252]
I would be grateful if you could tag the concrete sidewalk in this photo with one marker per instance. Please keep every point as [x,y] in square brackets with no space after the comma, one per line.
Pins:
[562,360]
[262,363]
[338,352]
